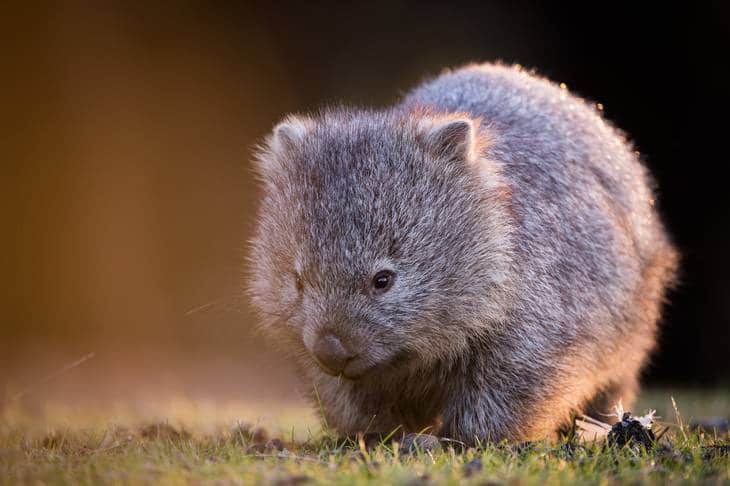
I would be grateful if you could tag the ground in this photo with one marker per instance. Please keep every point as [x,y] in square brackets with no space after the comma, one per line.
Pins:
[184,441]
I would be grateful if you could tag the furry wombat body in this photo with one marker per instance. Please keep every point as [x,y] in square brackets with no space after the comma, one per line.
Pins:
[484,258]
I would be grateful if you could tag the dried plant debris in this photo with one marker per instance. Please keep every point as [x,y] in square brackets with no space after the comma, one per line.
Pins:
[588,429]
[629,430]
[163,430]
[633,430]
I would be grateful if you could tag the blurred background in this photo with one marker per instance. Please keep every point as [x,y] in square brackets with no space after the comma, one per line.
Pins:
[126,196]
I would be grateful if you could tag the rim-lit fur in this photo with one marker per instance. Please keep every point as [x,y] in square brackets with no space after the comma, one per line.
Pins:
[530,261]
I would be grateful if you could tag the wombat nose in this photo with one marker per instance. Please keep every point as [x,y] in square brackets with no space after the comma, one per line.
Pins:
[331,354]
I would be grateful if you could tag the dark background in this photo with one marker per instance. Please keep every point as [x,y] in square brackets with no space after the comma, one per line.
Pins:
[126,198]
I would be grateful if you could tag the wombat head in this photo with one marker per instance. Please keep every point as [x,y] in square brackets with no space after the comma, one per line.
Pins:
[382,239]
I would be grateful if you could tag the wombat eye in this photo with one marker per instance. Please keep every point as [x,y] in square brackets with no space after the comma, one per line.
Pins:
[382,281]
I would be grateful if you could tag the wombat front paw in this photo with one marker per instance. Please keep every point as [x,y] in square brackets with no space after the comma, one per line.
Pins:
[414,443]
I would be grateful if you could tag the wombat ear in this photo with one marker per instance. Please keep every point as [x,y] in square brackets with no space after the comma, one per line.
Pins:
[289,133]
[451,137]
[286,136]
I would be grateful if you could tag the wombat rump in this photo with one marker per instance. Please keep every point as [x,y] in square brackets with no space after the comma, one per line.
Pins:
[482,260]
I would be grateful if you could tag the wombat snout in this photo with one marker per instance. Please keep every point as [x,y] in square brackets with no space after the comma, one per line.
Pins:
[331,354]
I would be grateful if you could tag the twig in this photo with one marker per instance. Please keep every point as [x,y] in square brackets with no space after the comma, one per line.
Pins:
[203,307]
[50,377]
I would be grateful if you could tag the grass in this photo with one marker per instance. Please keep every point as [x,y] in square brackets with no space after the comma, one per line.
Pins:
[184,442]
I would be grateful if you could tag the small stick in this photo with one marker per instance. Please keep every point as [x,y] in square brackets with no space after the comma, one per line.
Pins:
[202,307]
[50,377]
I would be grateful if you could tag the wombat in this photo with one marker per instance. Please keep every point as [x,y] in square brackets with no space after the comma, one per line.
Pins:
[482,260]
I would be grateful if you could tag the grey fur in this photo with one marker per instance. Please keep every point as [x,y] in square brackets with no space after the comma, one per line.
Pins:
[530,261]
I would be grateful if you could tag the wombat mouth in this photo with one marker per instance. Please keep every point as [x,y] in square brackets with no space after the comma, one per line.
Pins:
[360,368]
[355,368]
